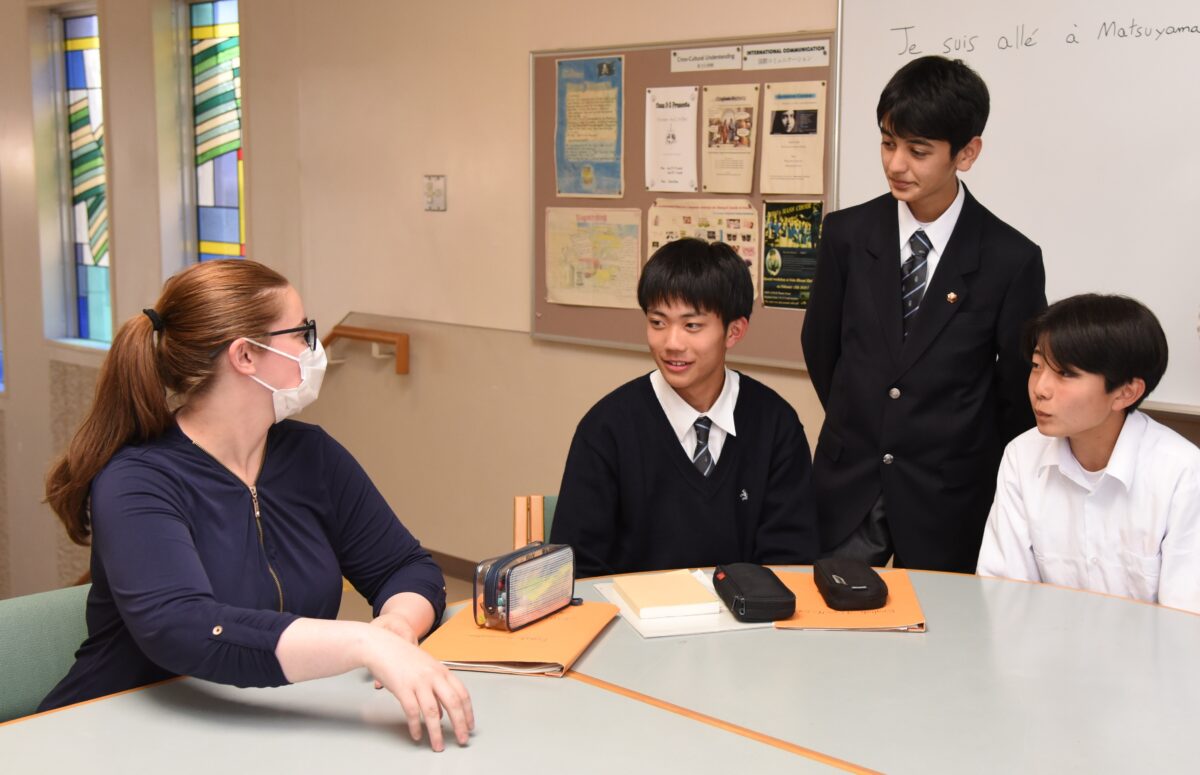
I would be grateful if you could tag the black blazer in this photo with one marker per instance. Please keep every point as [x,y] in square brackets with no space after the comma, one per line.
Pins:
[922,420]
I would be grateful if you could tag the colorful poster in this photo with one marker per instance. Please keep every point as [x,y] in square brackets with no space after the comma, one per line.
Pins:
[589,153]
[671,138]
[793,146]
[730,113]
[791,233]
[593,256]
[732,221]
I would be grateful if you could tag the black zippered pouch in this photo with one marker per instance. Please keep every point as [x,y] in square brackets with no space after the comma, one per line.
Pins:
[753,593]
[849,585]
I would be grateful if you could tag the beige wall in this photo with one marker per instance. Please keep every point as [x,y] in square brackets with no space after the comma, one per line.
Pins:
[347,106]
[387,91]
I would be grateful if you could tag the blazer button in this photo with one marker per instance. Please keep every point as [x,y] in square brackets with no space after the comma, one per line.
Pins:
[894,393]
[218,630]
[887,459]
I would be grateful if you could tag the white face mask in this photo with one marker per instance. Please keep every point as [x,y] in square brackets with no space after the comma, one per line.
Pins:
[291,401]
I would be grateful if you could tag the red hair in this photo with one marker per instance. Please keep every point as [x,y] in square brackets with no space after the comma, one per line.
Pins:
[202,309]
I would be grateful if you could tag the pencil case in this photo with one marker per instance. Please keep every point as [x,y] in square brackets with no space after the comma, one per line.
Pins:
[849,585]
[520,587]
[753,593]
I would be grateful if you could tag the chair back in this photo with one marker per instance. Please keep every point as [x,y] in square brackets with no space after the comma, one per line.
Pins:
[532,517]
[39,635]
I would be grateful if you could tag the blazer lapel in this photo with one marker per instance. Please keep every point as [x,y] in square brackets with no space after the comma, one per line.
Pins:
[947,290]
[883,246]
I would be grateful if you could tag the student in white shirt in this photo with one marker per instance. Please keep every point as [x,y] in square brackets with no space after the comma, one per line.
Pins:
[1098,496]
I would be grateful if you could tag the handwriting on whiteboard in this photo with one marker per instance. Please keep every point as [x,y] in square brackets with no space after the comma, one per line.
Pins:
[914,41]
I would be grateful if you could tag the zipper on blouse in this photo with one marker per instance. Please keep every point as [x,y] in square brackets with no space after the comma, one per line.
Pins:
[261,543]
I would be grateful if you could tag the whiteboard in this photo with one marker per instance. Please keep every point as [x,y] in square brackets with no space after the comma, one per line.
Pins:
[1092,149]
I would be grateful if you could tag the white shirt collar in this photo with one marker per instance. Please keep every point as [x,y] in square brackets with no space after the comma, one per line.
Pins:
[683,416]
[1122,464]
[940,230]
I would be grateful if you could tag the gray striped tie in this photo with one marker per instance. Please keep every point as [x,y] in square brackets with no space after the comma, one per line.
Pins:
[702,459]
[912,277]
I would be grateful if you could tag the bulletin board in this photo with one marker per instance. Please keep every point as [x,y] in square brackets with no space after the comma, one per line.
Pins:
[774,334]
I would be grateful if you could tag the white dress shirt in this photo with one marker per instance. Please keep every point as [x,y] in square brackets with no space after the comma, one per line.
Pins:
[1132,529]
[683,417]
[938,232]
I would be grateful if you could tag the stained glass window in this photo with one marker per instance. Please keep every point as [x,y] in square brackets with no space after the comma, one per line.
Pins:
[217,113]
[89,201]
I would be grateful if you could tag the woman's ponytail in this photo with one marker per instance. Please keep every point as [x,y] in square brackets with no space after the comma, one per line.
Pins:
[158,357]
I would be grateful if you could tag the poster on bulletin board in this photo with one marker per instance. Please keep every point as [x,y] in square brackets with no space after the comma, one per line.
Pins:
[589,153]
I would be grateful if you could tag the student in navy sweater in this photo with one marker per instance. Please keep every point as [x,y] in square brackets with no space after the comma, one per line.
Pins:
[693,464]
[221,528]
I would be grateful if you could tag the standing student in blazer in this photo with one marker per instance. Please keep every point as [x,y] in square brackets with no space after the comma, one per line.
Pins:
[912,337]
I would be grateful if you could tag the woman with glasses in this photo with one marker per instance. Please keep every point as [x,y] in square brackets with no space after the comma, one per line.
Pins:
[220,529]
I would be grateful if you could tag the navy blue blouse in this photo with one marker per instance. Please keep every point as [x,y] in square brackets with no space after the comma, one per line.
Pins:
[194,573]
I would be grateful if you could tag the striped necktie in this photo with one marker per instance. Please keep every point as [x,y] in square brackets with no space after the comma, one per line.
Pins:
[912,277]
[702,459]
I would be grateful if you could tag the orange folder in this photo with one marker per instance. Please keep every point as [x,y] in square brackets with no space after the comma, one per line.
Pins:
[902,611]
[547,647]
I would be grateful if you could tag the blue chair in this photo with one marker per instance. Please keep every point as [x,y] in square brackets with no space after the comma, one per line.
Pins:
[532,517]
[39,635]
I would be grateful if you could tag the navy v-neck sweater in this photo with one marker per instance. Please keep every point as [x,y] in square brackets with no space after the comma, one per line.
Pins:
[631,500]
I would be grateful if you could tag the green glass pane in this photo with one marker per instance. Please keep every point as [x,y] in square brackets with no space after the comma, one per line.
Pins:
[227,49]
[202,76]
[81,168]
[99,306]
[204,137]
[213,153]
[208,94]
[217,100]
[216,110]
[95,153]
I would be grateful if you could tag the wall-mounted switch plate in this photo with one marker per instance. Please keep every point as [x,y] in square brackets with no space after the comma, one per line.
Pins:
[435,193]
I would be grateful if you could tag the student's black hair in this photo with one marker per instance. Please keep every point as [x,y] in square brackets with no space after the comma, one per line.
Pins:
[1114,336]
[709,276]
[935,98]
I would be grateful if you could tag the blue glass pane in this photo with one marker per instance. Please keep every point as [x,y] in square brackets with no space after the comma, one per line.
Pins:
[76,77]
[202,14]
[82,311]
[219,224]
[225,181]
[83,27]
[226,11]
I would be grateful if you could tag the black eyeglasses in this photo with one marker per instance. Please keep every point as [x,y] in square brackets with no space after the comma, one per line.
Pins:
[310,333]
[310,336]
